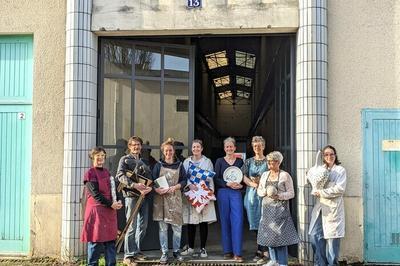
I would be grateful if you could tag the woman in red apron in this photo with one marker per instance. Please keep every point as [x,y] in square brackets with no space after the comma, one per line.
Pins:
[100,221]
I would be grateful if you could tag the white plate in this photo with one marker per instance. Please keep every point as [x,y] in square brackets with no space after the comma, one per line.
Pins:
[233,174]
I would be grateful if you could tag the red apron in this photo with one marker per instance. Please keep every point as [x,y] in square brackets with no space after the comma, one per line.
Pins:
[100,222]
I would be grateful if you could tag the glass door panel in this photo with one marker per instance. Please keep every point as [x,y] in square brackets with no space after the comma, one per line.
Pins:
[147,110]
[147,61]
[117,57]
[176,115]
[176,63]
[157,106]
[116,110]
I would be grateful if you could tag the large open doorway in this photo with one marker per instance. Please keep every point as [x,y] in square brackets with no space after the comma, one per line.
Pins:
[198,87]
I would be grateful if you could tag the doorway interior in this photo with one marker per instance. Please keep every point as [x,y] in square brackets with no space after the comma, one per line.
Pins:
[206,87]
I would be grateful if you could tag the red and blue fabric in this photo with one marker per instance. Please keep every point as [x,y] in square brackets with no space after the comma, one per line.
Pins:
[197,174]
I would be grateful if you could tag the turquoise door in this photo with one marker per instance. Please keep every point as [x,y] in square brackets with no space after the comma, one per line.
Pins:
[15,142]
[381,143]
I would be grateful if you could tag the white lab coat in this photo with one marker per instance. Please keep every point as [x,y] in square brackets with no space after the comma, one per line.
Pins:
[331,204]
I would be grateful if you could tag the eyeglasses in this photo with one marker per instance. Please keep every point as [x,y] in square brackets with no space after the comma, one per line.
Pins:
[329,154]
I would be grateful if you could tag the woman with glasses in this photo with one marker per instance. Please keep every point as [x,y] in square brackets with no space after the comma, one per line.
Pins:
[327,219]
[276,229]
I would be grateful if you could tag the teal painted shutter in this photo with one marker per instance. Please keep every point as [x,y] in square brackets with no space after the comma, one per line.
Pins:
[15,142]
[381,187]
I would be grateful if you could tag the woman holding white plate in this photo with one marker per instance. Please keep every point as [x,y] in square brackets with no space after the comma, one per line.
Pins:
[228,179]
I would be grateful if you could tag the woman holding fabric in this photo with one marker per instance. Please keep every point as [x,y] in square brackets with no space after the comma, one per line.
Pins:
[190,215]
[327,224]
[100,220]
[230,203]
[167,208]
[276,229]
[252,170]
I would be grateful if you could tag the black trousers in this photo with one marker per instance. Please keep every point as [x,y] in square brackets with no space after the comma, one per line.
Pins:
[203,234]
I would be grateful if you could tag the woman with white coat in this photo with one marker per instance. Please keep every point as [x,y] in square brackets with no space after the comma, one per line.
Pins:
[327,224]
[190,216]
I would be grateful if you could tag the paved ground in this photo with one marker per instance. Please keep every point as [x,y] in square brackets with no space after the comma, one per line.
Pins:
[215,257]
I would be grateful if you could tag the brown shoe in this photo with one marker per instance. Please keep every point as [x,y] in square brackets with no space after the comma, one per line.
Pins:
[130,261]
[228,256]
[238,259]
[140,256]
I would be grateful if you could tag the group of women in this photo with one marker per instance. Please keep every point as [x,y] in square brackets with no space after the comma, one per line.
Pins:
[268,190]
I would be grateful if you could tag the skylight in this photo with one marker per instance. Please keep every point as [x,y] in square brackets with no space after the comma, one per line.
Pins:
[217,59]
[221,81]
[225,94]
[245,59]
[243,81]
[243,94]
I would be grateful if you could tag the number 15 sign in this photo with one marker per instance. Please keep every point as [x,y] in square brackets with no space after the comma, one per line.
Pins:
[193,3]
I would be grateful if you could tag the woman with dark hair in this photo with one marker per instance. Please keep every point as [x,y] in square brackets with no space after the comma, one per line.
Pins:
[327,224]
[230,203]
[100,220]
[167,203]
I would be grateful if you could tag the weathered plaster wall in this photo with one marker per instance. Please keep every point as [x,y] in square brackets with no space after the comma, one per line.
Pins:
[45,20]
[363,72]
[149,17]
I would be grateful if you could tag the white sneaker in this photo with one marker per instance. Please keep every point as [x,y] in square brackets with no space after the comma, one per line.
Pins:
[203,253]
[187,252]
[271,263]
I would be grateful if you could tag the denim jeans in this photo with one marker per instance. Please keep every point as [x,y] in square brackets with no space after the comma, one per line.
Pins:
[137,229]
[326,251]
[279,254]
[176,236]
[95,249]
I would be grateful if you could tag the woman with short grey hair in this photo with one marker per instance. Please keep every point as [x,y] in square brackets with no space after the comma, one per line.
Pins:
[276,189]
[230,203]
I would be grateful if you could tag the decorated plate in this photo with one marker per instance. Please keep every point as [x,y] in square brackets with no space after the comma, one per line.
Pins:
[233,174]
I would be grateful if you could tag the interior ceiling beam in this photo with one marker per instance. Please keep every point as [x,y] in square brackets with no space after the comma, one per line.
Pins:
[233,87]
[248,45]
[237,70]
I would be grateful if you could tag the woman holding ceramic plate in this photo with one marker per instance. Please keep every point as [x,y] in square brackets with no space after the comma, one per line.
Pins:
[228,179]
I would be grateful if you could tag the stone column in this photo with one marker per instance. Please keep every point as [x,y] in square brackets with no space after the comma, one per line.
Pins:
[311,106]
[79,119]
